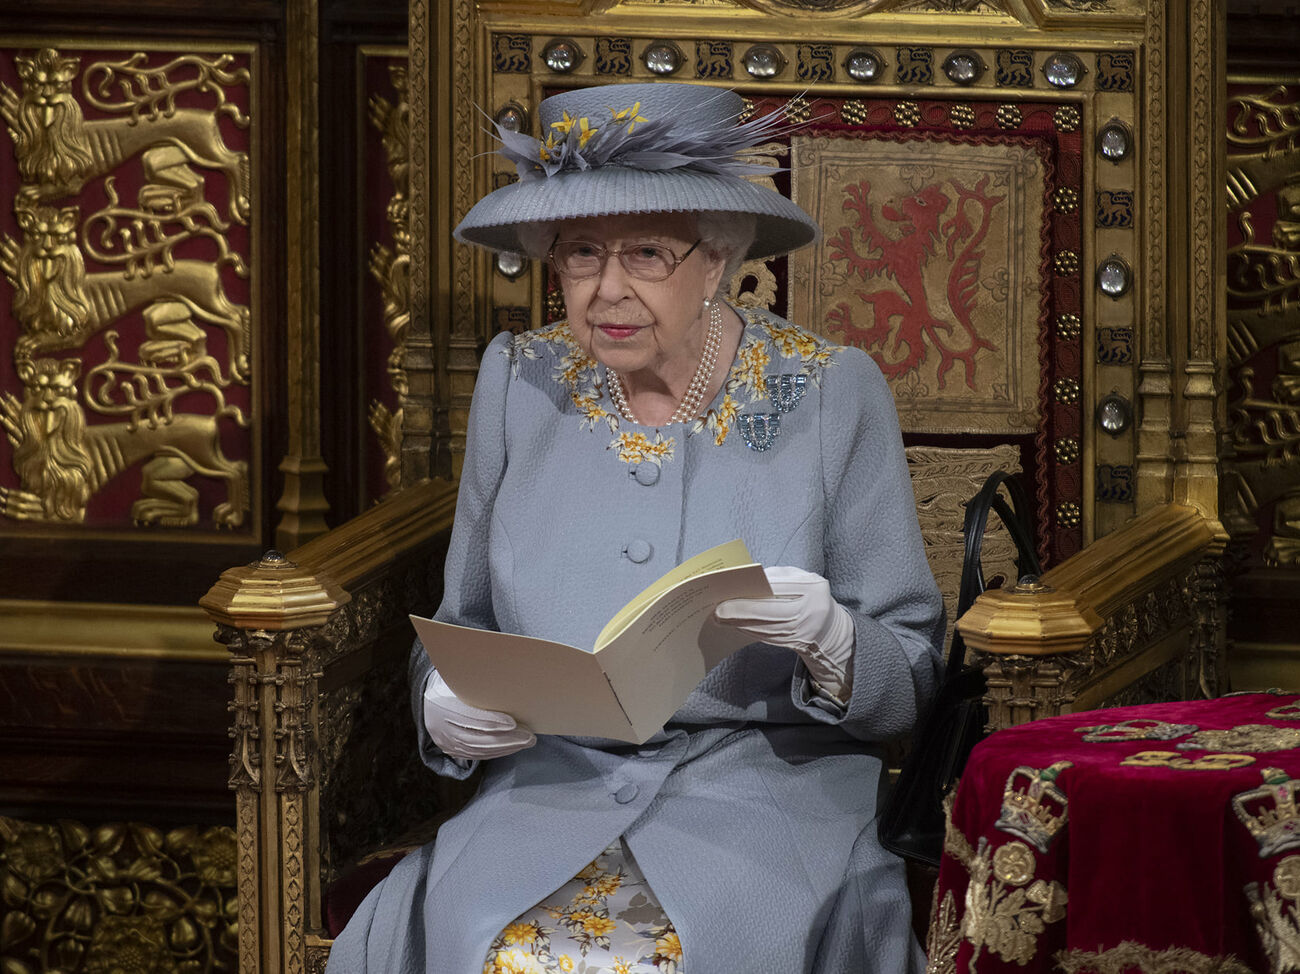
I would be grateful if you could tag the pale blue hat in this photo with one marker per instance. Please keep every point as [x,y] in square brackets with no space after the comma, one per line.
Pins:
[638,148]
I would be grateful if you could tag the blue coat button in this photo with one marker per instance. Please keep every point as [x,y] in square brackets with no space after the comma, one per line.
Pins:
[645,474]
[638,551]
[626,794]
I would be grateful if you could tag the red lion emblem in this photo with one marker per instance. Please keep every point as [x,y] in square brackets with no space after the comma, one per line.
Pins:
[916,318]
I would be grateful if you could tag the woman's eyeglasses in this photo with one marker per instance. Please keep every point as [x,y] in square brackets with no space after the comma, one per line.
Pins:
[580,259]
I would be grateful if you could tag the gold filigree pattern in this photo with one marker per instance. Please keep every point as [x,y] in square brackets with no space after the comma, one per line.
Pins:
[1127,956]
[954,843]
[944,937]
[1254,738]
[1276,915]
[119,897]
[1137,729]
[1008,917]
[1288,711]
[1180,762]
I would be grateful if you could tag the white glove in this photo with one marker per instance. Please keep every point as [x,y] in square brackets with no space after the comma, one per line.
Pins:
[804,617]
[463,731]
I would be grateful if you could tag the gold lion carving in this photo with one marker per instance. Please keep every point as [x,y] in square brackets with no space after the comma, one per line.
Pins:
[62,461]
[59,151]
[60,305]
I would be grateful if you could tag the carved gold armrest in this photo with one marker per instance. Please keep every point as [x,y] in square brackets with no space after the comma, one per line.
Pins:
[1143,603]
[318,641]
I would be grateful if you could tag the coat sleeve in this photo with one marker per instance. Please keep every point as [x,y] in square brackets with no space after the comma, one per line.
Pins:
[875,559]
[467,587]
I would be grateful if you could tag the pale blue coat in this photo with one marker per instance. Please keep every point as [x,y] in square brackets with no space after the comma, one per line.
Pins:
[752,814]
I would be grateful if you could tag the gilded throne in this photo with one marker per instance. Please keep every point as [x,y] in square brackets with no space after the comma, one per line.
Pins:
[995,234]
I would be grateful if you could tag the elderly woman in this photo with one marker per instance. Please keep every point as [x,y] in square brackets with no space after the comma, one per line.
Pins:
[656,422]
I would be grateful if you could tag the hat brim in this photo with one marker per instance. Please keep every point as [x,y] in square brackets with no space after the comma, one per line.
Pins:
[494,221]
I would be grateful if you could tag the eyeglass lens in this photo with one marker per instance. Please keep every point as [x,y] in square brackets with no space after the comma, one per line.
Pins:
[645,261]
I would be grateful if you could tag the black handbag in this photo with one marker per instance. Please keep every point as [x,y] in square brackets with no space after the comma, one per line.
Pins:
[912,821]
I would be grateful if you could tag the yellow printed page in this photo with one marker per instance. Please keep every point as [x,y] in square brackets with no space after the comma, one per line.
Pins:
[731,554]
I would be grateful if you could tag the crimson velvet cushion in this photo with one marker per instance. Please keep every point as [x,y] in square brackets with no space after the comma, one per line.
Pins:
[1162,837]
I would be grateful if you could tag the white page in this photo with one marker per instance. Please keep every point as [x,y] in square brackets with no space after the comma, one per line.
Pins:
[536,681]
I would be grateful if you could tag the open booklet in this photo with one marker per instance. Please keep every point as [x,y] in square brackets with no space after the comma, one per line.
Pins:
[646,660]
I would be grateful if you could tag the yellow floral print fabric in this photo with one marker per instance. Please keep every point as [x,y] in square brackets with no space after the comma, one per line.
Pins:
[605,920]
[769,346]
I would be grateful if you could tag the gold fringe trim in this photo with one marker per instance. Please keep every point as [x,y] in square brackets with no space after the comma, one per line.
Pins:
[1117,960]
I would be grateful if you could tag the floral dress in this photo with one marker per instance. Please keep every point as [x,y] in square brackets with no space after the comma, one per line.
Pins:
[603,921]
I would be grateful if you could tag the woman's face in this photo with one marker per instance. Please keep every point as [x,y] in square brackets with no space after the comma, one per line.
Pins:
[632,325]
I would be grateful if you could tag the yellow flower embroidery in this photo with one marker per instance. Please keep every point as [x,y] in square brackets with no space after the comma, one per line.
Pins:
[752,361]
[566,962]
[592,411]
[621,966]
[720,419]
[629,116]
[792,342]
[637,447]
[599,926]
[590,871]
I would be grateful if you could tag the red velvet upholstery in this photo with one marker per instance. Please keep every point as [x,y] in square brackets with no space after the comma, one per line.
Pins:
[1114,853]
[345,894]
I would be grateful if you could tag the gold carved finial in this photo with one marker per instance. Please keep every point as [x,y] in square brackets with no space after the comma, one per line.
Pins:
[272,593]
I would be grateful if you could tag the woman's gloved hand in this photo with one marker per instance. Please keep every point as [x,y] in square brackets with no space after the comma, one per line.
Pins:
[463,731]
[804,617]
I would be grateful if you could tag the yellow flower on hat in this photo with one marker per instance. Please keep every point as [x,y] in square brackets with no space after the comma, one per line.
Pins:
[565,123]
[585,131]
[630,116]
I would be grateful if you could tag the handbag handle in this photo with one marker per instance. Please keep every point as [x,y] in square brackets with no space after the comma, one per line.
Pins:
[1016,518]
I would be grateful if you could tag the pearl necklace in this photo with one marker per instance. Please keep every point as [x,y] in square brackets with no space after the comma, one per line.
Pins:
[689,407]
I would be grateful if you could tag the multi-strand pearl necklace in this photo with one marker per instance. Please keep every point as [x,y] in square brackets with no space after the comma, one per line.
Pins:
[689,407]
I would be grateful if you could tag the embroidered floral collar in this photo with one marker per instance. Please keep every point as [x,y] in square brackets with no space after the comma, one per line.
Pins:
[773,367]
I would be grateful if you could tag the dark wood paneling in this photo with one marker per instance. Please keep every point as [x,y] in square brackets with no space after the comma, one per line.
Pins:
[103,739]
[346,27]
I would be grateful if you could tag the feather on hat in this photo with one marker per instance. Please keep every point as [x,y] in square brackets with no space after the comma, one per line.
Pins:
[638,148]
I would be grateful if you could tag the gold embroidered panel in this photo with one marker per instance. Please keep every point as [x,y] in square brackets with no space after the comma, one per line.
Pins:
[931,256]
[128,312]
